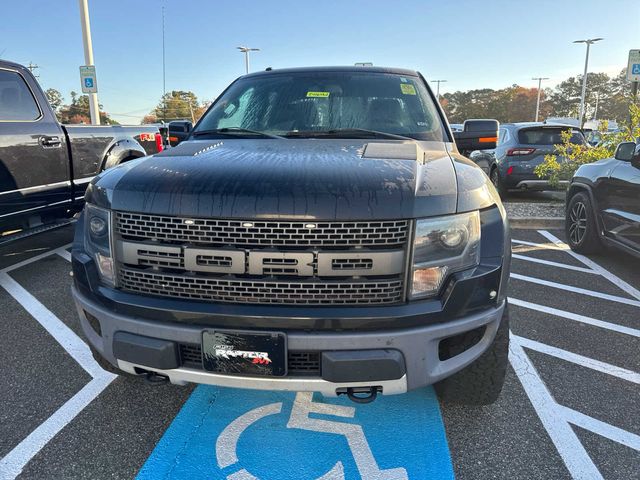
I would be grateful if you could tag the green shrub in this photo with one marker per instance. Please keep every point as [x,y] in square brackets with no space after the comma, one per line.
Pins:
[575,155]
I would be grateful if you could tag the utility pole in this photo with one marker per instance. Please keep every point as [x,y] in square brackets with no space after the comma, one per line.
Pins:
[438,88]
[94,109]
[539,79]
[589,42]
[164,74]
[246,51]
[31,68]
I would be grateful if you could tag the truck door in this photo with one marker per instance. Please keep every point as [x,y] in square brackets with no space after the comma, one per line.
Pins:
[621,211]
[34,167]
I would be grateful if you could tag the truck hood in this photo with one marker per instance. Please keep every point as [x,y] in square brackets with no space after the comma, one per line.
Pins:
[291,178]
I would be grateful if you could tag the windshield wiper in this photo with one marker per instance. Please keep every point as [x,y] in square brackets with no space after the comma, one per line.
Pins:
[345,132]
[235,131]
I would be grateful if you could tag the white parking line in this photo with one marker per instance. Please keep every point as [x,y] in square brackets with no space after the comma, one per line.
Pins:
[576,317]
[569,447]
[552,264]
[582,291]
[548,246]
[75,347]
[37,257]
[12,463]
[64,253]
[603,429]
[634,292]
[581,360]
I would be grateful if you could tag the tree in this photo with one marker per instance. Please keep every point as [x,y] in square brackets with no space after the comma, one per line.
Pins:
[78,111]
[150,118]
[55,98]
[177,104]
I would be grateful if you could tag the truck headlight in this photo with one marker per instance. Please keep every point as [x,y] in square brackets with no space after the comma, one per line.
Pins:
[443,245]
[98,240]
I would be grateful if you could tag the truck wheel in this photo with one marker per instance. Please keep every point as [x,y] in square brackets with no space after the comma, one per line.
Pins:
[481,382]
[495,179]
[580,225]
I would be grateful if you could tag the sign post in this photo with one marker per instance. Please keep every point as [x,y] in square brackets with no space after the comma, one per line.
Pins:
[89,81]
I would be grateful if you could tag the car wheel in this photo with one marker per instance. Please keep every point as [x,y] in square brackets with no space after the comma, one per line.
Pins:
[481,382]
[580,225]
[495,179]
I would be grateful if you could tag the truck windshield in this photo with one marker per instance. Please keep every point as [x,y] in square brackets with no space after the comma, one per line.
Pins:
[325,104]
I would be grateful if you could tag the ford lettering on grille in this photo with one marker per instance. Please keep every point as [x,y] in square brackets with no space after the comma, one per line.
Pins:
[262,262]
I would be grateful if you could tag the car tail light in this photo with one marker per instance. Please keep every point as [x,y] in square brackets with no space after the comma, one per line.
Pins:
[510,170]
[514,152]
[159,145]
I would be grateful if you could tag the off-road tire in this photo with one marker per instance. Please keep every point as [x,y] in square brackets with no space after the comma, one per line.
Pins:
[588,240]
[481,382]
[495,179]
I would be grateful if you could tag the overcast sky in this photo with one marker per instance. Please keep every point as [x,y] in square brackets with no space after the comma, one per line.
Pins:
[482,44]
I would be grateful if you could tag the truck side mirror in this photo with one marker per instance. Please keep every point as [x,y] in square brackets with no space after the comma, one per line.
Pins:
[635,159]
[624,151]
[477,135]
[178,131]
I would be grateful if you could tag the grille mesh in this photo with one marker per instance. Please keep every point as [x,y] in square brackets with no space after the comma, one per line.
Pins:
[261,291]
[142,227]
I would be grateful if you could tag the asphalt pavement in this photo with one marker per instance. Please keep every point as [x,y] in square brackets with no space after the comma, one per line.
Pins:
[570,407]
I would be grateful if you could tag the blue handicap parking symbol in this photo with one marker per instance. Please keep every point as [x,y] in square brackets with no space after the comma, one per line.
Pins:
[635,69]
[224,433]
[88,82]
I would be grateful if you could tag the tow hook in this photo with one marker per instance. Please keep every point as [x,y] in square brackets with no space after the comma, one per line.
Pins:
[155,379]
[355,394]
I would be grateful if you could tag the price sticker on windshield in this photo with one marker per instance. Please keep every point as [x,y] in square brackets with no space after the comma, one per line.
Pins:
[407,89]
[317,94]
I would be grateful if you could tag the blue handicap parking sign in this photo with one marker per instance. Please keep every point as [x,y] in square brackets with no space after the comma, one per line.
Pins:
[635,69]
[88,82]
[224,433]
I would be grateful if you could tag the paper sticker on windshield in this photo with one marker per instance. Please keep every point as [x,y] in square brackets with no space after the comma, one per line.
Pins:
[317,94]
[408,89]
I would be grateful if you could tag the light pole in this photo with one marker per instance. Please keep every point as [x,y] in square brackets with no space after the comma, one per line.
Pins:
[94,109]
[589,42]
[246,51]
[540,79]
[438,87]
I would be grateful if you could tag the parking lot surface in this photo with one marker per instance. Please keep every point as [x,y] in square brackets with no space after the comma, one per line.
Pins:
[570,407]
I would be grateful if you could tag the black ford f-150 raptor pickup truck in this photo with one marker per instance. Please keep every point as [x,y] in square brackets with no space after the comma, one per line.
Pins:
[45,167]
[318,230]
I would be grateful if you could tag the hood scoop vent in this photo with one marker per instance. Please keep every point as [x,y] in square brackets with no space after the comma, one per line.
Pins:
[395,151]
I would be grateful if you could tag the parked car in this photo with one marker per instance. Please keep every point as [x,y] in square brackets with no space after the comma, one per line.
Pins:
[603,203]
[318,230]
[521,148]
[45,167]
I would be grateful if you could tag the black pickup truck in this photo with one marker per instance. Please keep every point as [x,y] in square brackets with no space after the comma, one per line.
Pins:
[45,167]
[317,230]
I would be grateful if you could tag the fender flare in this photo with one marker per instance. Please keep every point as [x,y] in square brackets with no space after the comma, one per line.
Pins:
[125,149]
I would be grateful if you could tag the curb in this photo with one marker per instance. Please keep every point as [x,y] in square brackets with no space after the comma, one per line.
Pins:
[536,222]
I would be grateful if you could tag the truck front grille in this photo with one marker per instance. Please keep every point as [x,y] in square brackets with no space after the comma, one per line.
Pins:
[141,227]
[300,292]
[262,262]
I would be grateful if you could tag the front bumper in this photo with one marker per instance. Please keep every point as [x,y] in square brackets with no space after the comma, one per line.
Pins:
[419,347]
